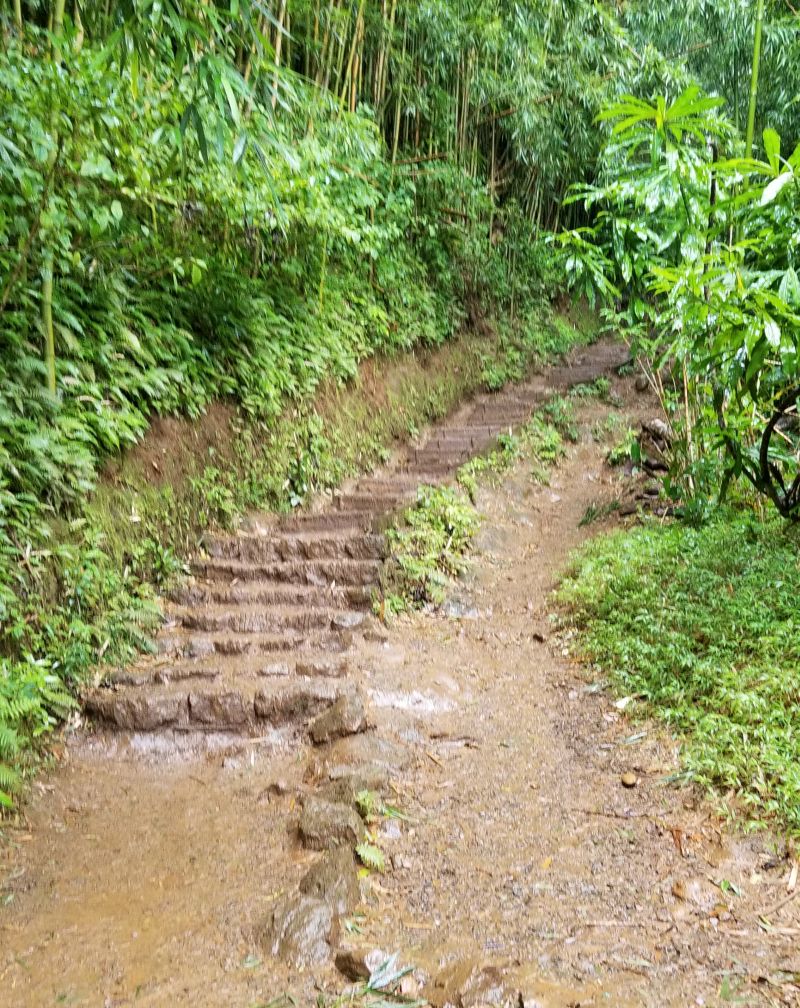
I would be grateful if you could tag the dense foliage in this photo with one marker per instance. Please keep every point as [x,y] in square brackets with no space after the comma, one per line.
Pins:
[691,242]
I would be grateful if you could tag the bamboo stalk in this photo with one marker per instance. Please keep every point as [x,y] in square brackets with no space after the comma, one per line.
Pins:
[751,111]
[48,256]
[278,45]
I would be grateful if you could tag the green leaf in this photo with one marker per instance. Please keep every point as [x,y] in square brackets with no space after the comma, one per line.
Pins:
[371,857]
[774,188]
[239,147]
[772,148]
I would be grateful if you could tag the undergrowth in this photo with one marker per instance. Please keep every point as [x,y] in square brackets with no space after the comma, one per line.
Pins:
[702,626]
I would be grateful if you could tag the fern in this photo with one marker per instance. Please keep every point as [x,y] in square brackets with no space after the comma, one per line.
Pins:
[371,856]
[9,779]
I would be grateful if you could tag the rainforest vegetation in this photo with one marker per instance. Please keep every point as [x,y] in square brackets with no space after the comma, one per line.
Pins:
[242,200]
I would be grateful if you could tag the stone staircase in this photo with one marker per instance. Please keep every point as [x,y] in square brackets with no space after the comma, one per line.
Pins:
[259,638]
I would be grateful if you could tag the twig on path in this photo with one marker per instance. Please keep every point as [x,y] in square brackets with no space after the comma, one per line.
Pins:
[780,904]
[612,815]
[435,759]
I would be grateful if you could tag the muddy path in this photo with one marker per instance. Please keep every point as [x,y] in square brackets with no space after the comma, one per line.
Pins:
[148,861]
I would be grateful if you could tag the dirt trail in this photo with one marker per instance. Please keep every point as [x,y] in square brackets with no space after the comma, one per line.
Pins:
[151,855]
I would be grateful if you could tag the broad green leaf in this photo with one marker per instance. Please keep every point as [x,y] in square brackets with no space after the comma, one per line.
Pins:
[775,187]
[772,148]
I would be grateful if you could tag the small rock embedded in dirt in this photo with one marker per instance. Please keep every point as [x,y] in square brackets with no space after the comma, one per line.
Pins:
[346,782]
[459,608]
[345,717]
[358,750]
[359,963]
[325,824]
[641,384]
[279,788]
[374,631]
[469,984]
[300,930]
[328,668]
[629,780]
[334,880]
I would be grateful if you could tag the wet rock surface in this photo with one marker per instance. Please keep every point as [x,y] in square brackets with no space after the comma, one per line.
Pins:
[300,930]
[347,716]
[325,824]
[334,880]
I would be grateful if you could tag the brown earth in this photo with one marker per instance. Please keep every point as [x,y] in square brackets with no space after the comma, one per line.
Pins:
[155,857]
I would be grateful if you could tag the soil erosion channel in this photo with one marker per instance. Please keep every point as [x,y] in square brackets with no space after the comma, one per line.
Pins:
[184,850]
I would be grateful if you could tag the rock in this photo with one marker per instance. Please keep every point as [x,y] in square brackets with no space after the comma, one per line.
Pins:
[219,709]
[294,703]
[359,963]
[627,508]
[345,717]
[279,788]
[327,668]
[347,620]
[469,984]
[325,824]
[274,669]
[358,750]
[629,780]
[300,930]
[657,429]
[374,631]
[459,608]
[334,880]
[347,783]
[200,647]
[641,384]
[144,712]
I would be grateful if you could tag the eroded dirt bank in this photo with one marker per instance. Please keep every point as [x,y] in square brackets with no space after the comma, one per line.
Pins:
[527,873]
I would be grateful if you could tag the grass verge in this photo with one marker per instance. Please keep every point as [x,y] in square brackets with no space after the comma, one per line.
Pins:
[703,626]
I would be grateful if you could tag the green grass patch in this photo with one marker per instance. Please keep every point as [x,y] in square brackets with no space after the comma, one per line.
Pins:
[703,624]
[428,547]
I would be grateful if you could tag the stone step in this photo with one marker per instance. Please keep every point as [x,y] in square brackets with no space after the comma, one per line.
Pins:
[179,642]
[343,545]
[239,706]
[259,619]
[382,503]
[226,668]
[272,593]
[325,520]
[305,572]
[401,480]
[451,459]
